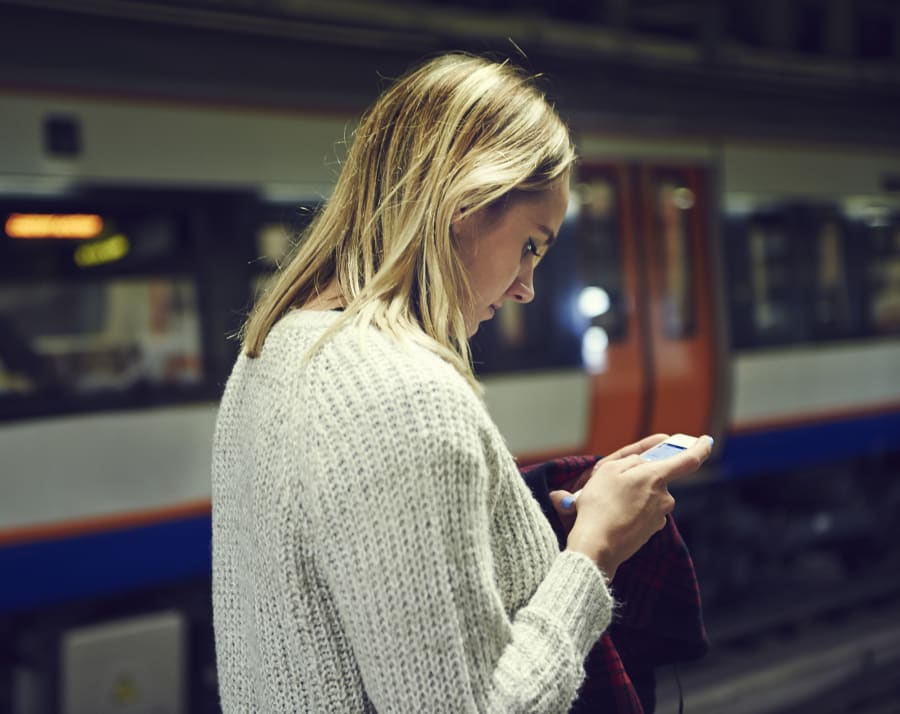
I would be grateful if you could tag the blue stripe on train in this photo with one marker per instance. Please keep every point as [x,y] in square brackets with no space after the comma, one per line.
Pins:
[809,445]
[40,573]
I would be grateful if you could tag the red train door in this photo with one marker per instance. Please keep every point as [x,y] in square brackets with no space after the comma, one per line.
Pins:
[679,320]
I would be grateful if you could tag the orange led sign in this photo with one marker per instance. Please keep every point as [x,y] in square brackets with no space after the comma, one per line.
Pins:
[79,226]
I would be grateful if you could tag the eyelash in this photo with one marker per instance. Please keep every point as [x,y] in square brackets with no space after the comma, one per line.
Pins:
[531,247]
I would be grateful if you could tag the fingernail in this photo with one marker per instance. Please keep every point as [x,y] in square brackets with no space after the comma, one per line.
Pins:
[711,440]
[567,501]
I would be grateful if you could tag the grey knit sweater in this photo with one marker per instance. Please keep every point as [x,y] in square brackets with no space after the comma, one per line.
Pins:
[374,546]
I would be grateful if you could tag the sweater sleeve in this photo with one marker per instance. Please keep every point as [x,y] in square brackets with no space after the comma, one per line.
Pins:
[407,557]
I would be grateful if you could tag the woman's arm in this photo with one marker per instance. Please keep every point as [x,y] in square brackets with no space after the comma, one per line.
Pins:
[412,575]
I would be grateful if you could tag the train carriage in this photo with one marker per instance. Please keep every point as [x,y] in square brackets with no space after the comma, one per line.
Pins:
[739,287]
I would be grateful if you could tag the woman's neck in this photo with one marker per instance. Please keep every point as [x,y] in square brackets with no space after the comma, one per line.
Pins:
[329,298]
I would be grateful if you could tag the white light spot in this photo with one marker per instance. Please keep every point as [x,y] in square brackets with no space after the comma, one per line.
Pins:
[594,343]
[593,301]
[683,198]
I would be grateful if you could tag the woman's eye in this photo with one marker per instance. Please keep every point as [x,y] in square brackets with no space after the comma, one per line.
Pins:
[531,247]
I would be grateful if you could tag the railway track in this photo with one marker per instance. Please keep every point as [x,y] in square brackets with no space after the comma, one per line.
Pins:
[826,653]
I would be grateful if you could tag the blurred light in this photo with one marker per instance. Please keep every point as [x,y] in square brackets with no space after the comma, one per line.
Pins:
[683,198]
[273,242]
[79,226]
[594,344]
[873,211]
[593,301]
[822,523]
[740,205]
[877,220]
[597,198]
[103,251]
[573,208]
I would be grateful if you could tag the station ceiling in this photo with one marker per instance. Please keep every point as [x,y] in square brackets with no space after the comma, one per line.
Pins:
[838,59]
[827,38]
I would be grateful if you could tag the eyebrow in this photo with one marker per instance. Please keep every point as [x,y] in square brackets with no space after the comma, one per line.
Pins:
[551,236]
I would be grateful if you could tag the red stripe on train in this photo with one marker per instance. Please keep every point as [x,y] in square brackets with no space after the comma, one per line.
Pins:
[100,524]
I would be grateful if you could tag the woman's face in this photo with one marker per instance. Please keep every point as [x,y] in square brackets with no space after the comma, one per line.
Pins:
[500,249]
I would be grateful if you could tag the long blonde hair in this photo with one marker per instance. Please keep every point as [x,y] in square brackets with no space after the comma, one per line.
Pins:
[456,134]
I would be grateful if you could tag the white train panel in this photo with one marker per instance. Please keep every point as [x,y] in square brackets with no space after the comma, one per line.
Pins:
[91,465]
[810,382]
[542,412]
[152,143]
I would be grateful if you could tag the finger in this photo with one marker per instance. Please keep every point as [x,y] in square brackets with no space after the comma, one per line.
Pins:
[686,462]
[630,462]
[639,447]
[564,502]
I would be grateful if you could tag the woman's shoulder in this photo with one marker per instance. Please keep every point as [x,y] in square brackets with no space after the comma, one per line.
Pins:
[364,364]
[313,351]
[393,368]
[366,392]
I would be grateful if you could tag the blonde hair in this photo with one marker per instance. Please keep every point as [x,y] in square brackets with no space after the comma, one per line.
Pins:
[456,134]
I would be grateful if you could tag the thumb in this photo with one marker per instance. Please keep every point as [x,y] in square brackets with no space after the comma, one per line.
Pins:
[563,502]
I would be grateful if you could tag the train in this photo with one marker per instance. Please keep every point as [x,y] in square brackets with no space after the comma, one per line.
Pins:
[742,286]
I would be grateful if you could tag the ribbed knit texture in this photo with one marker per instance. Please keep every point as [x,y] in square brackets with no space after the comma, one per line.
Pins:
[374,546]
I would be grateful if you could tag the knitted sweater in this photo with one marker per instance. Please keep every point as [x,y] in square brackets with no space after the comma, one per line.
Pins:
[374,546]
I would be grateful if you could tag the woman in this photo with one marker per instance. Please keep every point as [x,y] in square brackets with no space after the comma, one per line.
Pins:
[374,546]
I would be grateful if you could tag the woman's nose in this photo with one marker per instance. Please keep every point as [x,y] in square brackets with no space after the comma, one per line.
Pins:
[522,290]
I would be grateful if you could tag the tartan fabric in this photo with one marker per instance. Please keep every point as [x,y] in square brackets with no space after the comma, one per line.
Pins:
[658,620]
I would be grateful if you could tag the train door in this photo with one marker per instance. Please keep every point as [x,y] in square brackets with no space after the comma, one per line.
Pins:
[645,233]
[679,301]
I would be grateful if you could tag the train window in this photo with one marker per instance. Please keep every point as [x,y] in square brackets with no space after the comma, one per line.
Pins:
[831,309]
[764,284]
[99,303]
[795,275]
[116,335]
[673,203]
[883,275]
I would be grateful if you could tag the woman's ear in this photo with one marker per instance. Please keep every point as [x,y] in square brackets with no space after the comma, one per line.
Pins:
[468,223]
[459,222]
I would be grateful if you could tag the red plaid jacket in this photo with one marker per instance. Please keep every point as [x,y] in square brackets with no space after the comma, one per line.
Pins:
[659,619]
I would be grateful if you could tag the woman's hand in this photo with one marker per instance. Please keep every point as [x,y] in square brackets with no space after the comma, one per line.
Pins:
[625,501]
[561,499]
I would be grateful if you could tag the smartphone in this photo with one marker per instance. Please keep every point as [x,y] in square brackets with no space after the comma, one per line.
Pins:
[675,444]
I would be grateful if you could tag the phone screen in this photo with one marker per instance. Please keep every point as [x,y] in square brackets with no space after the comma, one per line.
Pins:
[662,451]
